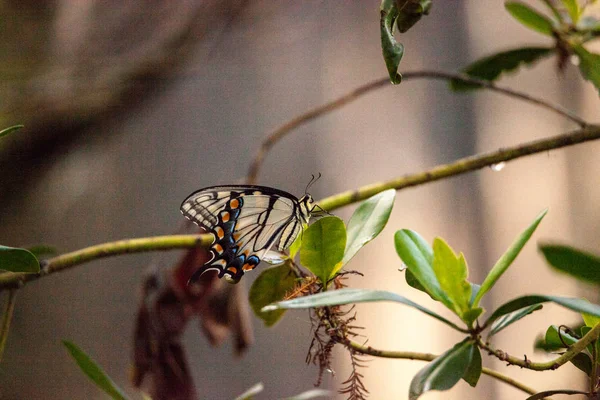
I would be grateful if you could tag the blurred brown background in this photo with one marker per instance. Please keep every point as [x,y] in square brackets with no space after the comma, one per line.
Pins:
[132,105]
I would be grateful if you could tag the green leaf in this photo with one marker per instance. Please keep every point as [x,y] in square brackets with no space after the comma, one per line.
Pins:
[589,65]
[311,394]
[443,372]
[590,320]
[18,260]
[511,318]
[473,371]
[491,67]
[582,362]
[271,285]
[392,50]
[410,12]
[42,250]
[417,255]
[323,247]
[353,296]
[575,262]
[507,258]
[578,305]
[451,272]
[368,221]
[413,281]
[471,315]
[9,130]
[553,340]
[295,247]
[530,17]
[572,7]
[94,372]
[250,393]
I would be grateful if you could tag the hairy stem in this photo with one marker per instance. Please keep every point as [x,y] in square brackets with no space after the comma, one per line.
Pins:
[6,319]
[464,165]
[410,355]
[575,349]
[279,133]
[69,260]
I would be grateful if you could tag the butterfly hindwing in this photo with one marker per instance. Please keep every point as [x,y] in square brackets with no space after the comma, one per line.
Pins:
[246,222]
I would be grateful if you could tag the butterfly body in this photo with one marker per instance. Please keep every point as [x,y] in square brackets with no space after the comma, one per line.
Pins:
[246,221]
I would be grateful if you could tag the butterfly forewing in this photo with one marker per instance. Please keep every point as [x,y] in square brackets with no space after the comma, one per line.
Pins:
[246,222]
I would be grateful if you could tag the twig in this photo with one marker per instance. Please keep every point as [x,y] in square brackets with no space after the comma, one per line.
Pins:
[467,164]
[573,350]
[411,355]
[284,129]
[62,262]
[6,319]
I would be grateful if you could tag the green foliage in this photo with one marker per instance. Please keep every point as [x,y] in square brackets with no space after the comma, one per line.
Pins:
[530,17]
[368,221]
[18,260]
[271,285]
[491,67]
[417,255]
[578,305]
[311,394]
[251,392]
[573,9]
[451,272]
[410,12]
[94,372]
[589,65]
[323,247]
[353,296]
[9,130]
[511,318]
[392,50]
[507,258]
[438,272]
[473,372]
[575,262]
[445,371]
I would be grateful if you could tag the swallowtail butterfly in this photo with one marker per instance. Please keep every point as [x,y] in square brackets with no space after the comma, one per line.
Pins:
[246,222]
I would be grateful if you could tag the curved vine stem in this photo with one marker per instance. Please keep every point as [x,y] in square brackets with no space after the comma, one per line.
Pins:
[6,319]
[69,260]
[592,132]
[467,164]
[279,133]
[410,355]
[568,355]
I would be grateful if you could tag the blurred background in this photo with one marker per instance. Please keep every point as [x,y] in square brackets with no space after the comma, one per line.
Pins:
[129,106]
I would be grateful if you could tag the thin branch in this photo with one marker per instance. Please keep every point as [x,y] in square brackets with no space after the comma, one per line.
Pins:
[326,108]
[69,260]
[464,165]
[411,355]
[286,128]
[6,319]
[567,356]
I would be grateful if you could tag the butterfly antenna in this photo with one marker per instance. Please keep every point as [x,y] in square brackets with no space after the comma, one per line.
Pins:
[313,179]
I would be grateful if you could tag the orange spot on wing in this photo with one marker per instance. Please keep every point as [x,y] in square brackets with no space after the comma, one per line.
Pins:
[225,216]
[219,231]
[248,267]
[218,248]
[233,270]
[236,236]
[234,203]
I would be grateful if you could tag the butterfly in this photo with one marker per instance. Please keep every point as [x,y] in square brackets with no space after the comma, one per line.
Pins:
[246,221]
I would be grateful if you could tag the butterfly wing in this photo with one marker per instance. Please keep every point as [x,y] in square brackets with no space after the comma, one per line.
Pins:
[246,221]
